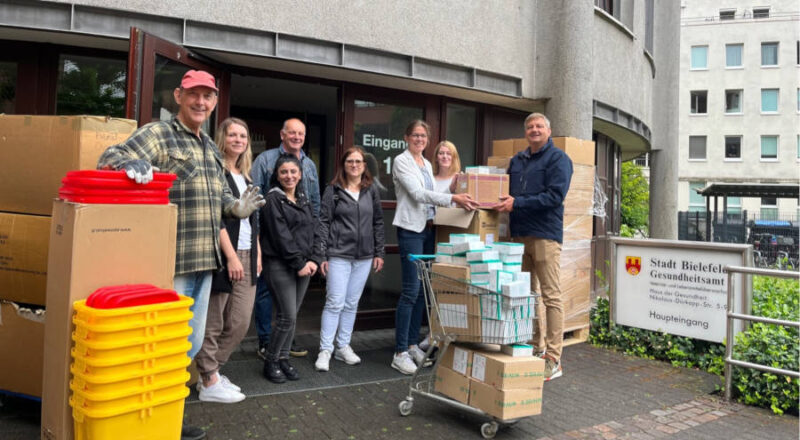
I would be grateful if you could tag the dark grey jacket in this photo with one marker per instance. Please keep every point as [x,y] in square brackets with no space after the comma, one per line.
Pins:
[349,228]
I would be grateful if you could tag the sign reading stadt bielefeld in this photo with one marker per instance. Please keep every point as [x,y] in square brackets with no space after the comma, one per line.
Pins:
[678,287]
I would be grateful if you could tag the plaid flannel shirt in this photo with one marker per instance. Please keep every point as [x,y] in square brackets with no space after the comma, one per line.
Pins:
[200,191]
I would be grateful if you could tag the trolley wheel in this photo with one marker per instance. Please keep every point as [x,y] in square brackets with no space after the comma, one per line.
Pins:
[489,429]
[405,407]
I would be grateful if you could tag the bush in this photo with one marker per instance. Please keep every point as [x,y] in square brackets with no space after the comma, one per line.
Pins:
[771,345]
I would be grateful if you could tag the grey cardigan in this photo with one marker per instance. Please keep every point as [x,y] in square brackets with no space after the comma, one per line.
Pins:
[409,187]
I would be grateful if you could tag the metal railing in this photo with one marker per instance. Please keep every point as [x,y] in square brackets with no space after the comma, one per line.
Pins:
[731,316]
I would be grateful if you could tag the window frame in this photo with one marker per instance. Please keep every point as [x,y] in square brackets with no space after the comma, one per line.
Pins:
[725,147]
[741,56]
[692,95]
[691,57]
[777,45]
[777,101]
[727,14]
[705,149]
[702,206]
[761,12]
[777,148]
[741,102]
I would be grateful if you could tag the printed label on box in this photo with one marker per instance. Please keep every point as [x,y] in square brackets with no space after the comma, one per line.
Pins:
[479,367]
[454,315]
[460,360]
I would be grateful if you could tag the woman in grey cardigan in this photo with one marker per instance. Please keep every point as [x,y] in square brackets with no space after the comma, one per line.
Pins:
[412,175]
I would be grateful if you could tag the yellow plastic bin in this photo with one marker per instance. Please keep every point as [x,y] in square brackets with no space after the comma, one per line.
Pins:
[163,341]
[159,419]
[131,330]
[110,383]
[130,365]
[124,397]
[127,315]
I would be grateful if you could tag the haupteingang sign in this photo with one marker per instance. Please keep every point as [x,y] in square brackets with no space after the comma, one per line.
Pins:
[678,287]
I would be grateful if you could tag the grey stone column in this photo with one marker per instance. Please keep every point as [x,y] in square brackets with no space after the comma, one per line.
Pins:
[665,157]
[564,64]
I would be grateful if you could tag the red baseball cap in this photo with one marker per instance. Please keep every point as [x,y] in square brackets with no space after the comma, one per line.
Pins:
[198,78]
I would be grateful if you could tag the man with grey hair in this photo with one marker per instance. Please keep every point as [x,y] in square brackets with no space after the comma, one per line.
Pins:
[539,179]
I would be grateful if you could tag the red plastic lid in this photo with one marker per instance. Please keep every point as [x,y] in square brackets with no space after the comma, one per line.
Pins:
[114,187]
[115,200]
[129,295]
[118,174]
[99,182]
[83,191]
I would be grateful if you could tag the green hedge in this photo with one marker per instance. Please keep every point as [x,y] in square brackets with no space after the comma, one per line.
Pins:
[764,344]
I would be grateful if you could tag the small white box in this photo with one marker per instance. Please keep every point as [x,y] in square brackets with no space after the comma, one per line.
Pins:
[517,350]
[485,266]
[499,278]
[484,285]
[482,255]
[444,248]
[512,267]
[444,258]
[507,248]
[479,277]
[513,259]
[482,169]
[523,276]
[458,260]
[516,289]
[461,238]
[466,246]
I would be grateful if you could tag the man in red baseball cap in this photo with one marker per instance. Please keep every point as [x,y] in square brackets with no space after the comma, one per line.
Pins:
[180,146]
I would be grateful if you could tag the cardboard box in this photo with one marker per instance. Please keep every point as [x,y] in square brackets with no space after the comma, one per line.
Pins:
[576,256]
[484,223]
[505,404]
[580,198]
[21,349]
[451,384]
[503,372]
[499,161]
[457,358]
[520,145]
[93,246]
[459,315]
[456,272]
[503,148]
[486,189]
[37,151]
[23,257]
[579,150]
[578,227]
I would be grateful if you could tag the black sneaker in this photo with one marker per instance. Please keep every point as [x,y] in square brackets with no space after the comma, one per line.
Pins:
[288,370]
[262,350]
[273,372]
[192,433]
[297,351]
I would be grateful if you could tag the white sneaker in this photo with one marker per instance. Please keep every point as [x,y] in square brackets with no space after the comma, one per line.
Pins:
[402,362]
[426,343]
[347,355]
[419,357]
[323,360]
[225,382]
[219,393]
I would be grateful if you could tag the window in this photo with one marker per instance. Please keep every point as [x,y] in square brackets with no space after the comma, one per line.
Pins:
[797,53]
[90,85]
[8,87]
[733,147]
[727,14]
[769,100]
[699,57]
[798,100]
[733,55]
[609,6]
[697,148]
[696,201]
[733,101]
[798,146]
[769,54]
[462,129]
[699,102]
[769,208]
[734,205]
[769,147]
[762,12]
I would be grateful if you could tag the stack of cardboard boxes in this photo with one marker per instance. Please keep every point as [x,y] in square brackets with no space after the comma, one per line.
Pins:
[35,154]
[504,386]
[576,254]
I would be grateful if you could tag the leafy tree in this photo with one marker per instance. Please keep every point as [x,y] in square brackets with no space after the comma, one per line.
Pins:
[635,203]
[91,88]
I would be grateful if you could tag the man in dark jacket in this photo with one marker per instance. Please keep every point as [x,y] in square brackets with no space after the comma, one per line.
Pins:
[539,178]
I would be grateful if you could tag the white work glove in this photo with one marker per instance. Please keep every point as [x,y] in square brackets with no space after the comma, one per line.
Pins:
[138,170]
[250,200]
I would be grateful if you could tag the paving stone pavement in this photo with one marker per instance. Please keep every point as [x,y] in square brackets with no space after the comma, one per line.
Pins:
[602,395]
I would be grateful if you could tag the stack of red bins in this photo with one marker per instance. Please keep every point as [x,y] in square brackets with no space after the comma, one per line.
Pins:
[114,187]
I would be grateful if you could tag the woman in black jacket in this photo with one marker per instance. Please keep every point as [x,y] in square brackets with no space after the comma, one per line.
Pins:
[287,243]
[233,288]
[351,242]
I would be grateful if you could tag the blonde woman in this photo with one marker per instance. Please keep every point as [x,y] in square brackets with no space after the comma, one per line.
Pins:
[446,166]
[233,288]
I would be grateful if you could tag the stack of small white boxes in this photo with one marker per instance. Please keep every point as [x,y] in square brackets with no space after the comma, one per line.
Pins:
[506,305]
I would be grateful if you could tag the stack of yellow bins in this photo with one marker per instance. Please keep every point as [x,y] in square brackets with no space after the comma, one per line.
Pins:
[129,370]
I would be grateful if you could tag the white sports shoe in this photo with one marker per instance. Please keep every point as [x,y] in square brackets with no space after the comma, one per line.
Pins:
[347,355]
[402,362]
[419,357]
[225,382]
[323,360]
[219,393]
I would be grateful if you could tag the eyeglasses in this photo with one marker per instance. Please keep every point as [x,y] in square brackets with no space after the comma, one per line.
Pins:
[354,161]
[419,135]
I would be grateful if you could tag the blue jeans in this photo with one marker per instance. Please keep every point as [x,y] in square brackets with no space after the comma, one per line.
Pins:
[410,307]
[195,285]
[263,309]
[346,280]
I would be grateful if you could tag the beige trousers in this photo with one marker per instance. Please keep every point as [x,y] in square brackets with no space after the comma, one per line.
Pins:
[227,321]
[542,258]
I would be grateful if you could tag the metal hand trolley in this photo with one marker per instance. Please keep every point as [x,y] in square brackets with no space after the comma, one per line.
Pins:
[434,284]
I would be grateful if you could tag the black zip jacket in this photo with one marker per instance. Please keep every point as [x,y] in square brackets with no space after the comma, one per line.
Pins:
[221,281]
[350,228]
[287,229]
